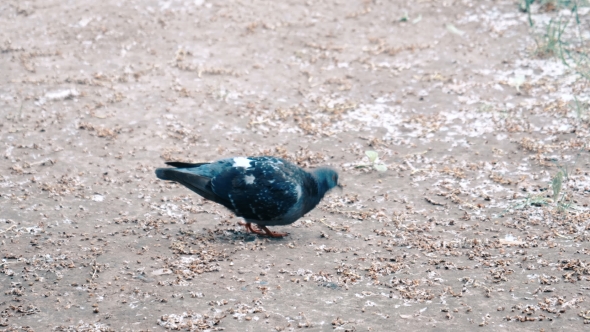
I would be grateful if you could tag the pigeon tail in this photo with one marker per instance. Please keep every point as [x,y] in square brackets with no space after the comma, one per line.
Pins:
[165,174]
[199,184]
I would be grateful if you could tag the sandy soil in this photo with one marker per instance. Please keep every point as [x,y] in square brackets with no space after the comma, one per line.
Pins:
[463,231]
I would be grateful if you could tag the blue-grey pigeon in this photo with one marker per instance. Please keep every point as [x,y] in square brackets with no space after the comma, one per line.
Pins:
[265,191]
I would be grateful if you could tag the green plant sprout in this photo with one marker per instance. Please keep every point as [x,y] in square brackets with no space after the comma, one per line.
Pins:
[536,200]
[405,17]
[453,29]
[562,203]
[556,184]
[551,43]
[554,41]
[581,108]
[573,5]
[517,81]
[560,198]
[374,159]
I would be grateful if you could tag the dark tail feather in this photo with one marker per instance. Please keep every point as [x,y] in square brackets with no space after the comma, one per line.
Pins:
[165,173]
[180,164]
[199,184]
[169,173]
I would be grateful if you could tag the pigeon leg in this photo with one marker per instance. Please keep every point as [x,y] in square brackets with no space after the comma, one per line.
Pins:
[270,233]
[264,231]
[249,227]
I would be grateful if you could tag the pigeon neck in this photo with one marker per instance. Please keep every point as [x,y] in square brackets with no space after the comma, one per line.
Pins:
[322,187]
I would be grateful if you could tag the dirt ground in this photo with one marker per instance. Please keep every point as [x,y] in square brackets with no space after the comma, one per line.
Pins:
[469,227]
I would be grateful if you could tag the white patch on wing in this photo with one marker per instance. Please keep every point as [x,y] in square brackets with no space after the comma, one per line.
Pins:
[298,191]
[249,179]
[241,162]
[274,163]
[254,211]
[232,202]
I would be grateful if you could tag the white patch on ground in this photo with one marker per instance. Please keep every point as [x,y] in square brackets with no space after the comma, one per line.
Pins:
[33,230]
[59,95]
[249,179]
[160,272]
[379,115]
[242,162]
[170,210]
[509,237]
[84,22]
[501,136]
[98,198]
[173,321]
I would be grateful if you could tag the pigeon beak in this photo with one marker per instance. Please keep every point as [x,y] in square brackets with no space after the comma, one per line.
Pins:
[339,186]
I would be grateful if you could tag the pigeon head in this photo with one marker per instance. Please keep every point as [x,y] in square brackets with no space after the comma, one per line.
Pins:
[327,179]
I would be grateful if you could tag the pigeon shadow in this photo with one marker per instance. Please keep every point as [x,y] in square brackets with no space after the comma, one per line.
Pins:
[229,235]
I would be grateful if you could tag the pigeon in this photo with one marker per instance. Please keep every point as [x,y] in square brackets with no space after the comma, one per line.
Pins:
[266,191]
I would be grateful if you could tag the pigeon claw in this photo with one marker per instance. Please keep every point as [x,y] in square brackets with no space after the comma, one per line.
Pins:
[270,233]
[262,231]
